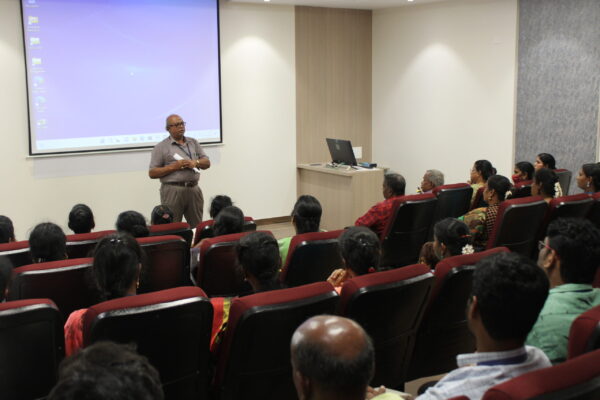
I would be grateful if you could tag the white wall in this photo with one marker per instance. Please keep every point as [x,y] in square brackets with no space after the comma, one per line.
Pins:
[444,87]
[255,166]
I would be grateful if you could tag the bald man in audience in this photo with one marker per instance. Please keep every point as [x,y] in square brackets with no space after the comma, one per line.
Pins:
[333,358]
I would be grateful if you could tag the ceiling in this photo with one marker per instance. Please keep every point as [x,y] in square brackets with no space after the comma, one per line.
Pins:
[360,4]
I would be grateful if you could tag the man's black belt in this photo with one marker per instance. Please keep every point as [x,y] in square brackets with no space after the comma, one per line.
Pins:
[186,184]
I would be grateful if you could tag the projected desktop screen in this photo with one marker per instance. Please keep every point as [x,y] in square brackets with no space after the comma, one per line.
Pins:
[104,75]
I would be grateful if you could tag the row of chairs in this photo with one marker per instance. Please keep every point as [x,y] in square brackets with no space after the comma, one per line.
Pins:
[415,317]
[519,225]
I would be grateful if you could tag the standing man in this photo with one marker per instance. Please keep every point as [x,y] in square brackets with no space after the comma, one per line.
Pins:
[176,161]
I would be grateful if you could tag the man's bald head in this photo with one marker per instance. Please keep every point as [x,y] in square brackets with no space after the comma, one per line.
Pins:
[332,354]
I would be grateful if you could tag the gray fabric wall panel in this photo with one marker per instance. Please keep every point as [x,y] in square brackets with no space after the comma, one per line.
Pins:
[558,84]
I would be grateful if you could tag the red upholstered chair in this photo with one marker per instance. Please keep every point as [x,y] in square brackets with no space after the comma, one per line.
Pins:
[478,199]
[166,263]
[82,245]
[407,230]
[174,228]
[517,224]
[217,271]
[522,189]
[574,206]
[204,228]
[443,333]
[67,283]
[594,214]
[453,200]
[584,335]
[389,305]
[577,378]
[171,327]
[31,347]
[564,179]
[17,253]
[254,359]
[312,257]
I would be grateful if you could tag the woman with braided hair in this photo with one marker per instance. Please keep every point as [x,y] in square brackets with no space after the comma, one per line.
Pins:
[115,273]
[258,256]
[545,184]
[451,238]
[360,250]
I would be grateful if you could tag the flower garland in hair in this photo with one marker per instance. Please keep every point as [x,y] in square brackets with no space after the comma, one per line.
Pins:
[557,190]
[468,249]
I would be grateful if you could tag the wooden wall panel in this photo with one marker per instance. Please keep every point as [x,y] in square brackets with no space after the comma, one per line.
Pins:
[333,80]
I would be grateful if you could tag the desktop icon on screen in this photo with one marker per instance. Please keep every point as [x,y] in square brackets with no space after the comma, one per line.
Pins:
[32,20]
[34,41]
[36,61]
[38,81]
[42,123]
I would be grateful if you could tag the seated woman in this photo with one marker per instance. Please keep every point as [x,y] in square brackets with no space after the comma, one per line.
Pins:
[480,173]
[360,249]
[306,218]
[81,219]
[161,214]
[229,220]
[258,256]
[545,160]
[7,230]
[132,222]
[451,238]
[545,184]
[217,204]
[115,273]
[523,172]
[47,242]
[588,179]
[481,220]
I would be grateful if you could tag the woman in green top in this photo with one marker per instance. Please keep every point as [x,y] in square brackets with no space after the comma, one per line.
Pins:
[306,218]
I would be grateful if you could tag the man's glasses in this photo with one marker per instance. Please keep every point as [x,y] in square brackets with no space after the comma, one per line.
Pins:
[177,125]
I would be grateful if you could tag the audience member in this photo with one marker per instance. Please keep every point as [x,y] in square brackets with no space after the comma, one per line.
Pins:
[570,255]
[333,358]
[545,184]
[360,250]
[133,223]
[545,160]
[431,179]
[481,220]
[218,203]
[377,217]
[230,220]
[107,371]
[81,219]
[161,214]
[7,231]
[115,271]
[47,242]
[508,293]
[451,237]
[306,218]
[480,173]
[5,278]
[258,256]
[588,179]
[523,172]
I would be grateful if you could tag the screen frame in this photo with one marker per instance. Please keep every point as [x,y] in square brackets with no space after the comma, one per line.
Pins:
[116,149]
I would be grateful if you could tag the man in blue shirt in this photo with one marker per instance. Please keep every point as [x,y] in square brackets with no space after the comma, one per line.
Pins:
[507,295]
